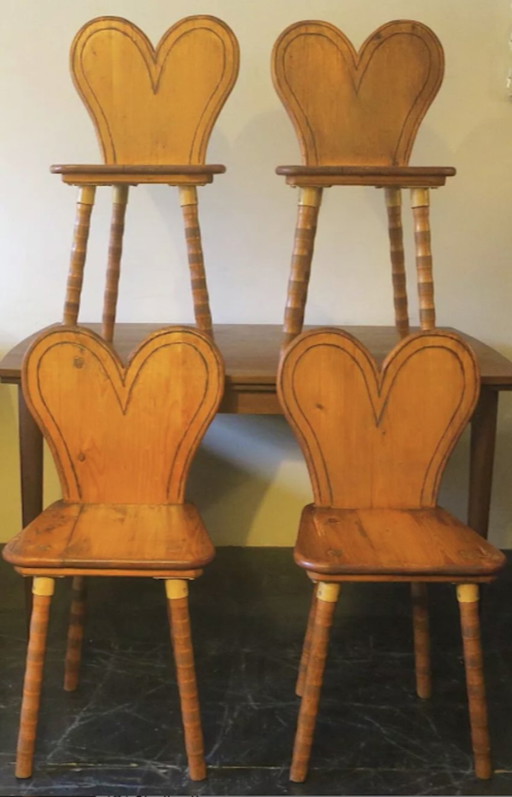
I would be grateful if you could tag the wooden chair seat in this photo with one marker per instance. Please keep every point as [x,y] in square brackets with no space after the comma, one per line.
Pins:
[375,542]
[120,536]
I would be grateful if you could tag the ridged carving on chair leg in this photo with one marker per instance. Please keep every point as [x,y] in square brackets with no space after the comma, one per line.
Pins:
[177,595]
[75,634]
[396,248]
[306,647]
[78,253]
[421,630]
[327,595]
[42,590]
[115,251]
[468,597]
[202,313]
[303,245]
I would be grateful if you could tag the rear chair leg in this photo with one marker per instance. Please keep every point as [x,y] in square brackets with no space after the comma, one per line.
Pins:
[42,590]
[75,634]
[326,598]
[421,631]
[468,595]
[177,599]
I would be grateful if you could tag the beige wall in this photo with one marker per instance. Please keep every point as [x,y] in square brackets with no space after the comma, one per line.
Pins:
[250,479]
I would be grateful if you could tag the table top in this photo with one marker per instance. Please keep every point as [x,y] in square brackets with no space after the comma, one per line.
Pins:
[251,354]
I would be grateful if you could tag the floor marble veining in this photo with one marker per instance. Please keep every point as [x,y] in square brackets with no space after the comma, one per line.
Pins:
[120,733]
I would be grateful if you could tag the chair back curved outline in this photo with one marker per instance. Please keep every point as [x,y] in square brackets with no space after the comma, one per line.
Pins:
[376,442]
[123,438]
[153,109]
[356,115]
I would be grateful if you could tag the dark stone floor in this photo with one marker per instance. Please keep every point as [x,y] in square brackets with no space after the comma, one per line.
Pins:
[120,733]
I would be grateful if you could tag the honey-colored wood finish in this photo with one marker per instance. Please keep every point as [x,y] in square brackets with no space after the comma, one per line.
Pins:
[351,107]
[123,437]
[376,442]
[177,592]
[396,244]
[356,116]
[115,250]
[84,207]
[145,107]
[305,232]
[374,411]
[43,589]
[154,110]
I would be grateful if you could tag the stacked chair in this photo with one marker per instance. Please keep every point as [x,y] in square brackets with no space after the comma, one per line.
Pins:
[376,436]
[376,439]
[123,435]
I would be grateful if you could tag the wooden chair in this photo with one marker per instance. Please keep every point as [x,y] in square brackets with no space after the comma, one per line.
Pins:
[376,443]
[154,110]
[356,116]
[123,438]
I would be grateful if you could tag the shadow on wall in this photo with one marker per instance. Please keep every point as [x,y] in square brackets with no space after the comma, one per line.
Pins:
[249,481]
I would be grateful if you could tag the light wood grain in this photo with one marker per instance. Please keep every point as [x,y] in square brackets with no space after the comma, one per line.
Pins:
[115,250]
[352,107]
[84,206]
[33,679]
[468,598]
[154,105]
[376,442]
[358,426]
[396,245]
[187,682]
[123,435]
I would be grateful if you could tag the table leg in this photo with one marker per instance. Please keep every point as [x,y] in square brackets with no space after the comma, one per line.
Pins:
[31,470]
[483,438]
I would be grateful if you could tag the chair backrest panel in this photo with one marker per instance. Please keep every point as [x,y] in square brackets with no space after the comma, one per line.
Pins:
[357,108]
[377,438]
[154,106]
[123,434]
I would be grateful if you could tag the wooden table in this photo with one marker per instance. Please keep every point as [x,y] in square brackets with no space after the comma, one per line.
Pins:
[251,353]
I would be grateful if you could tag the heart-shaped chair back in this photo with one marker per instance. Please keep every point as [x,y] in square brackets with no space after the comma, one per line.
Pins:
[357,108]
[377,438]
[123,434]
[149,105]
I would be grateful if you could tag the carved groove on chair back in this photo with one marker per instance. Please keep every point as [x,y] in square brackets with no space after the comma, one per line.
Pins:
[377,439]
[123,435]
[154,105]
[352,107]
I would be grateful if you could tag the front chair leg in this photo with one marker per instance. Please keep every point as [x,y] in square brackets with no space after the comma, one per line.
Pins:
[420,622]
[468,595]
[42,590]
[326,598]
[177,599]
[306,647]
[75,634]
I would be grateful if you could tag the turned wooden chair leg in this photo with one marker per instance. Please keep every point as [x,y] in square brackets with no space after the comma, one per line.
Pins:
[177,597]
[326,598]
[75,634]
[306,647]
[468,595]
[420,623]
[42,589]
[202,314]
[115,251]
[303,245]
[396,246]
[420,202]
[84,207]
